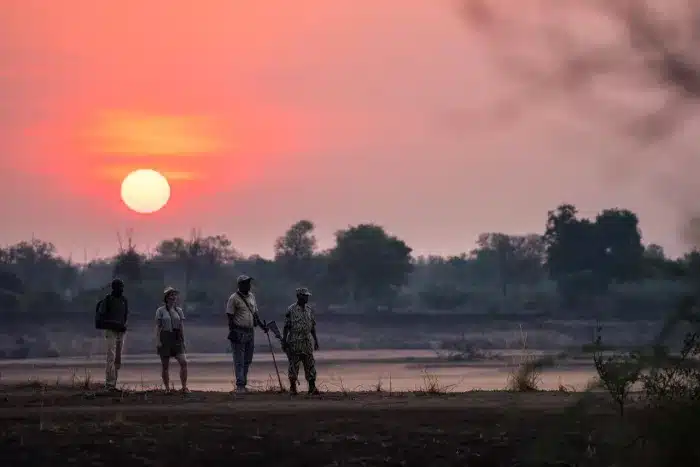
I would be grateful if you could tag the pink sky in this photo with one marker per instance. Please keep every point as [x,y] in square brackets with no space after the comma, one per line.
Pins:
[336,111]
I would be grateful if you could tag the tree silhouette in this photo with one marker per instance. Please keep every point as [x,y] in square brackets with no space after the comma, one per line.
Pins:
[128,262]
[295,251]
[510,258]
[371,263]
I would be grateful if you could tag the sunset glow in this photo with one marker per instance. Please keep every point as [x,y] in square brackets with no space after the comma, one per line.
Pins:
[145,191]
[143,134]
[259,114]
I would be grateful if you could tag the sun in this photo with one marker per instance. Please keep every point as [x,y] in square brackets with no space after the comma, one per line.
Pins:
[145,191]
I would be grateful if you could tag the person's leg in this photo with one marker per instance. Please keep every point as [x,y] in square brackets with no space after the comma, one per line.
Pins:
[238,351]
[165,371]
[310,371]
[293,371]
[118,349]
[110,370]
[248,356]
[182,360]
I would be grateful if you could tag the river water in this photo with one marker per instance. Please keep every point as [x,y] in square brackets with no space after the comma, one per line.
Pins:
[338,370]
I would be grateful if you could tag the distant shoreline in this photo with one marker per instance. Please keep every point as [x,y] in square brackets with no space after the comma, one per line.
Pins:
[263,357]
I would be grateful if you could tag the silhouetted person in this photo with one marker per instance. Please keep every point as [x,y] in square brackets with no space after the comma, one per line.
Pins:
[170,336]
[299,341]
[112,316]
[242,313]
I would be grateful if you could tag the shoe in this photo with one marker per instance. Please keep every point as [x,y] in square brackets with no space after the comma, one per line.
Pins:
[293,388]
[313,390]
[241,389]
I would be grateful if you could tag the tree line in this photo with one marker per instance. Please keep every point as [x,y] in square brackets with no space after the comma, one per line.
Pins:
[574,264]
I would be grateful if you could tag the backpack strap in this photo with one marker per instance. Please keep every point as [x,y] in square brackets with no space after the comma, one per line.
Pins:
[256,319]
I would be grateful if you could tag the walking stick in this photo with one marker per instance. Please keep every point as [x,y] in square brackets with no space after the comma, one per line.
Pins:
[273,326]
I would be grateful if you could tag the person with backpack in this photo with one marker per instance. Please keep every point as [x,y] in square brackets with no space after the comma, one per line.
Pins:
[171,338]
[242,314]
[111,316]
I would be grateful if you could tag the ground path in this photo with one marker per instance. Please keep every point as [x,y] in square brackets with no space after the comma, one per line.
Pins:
[43,426]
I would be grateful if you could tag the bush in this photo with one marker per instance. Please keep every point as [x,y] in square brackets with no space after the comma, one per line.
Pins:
[443,297]
[666,435]
[617,373]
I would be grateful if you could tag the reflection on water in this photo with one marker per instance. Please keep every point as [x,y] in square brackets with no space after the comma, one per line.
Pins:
[343,370]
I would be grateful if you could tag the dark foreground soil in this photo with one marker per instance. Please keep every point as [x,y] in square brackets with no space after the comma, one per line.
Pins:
[68,427]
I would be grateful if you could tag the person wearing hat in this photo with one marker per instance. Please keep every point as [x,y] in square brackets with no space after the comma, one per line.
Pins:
[299,341]
[111,316]
[242,314]
[171,338]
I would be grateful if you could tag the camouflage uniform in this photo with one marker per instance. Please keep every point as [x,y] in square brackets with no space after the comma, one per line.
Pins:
[299,321]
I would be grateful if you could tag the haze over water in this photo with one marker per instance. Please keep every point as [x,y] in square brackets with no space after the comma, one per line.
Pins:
[342,370]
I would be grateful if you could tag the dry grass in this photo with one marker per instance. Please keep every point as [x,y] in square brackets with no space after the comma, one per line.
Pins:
[526,376]
[431,385]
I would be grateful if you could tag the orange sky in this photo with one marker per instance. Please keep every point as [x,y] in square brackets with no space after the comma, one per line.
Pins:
[337,111]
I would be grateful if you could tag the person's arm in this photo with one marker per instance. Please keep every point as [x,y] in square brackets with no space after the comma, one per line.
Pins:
[230,311]
[258,322]
[256,318]
[313,332]
[126,311]
[182,323]
[159,327]
[287,326]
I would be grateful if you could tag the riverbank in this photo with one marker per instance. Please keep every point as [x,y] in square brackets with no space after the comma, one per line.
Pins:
[63,426]
[337,370]
[69,340]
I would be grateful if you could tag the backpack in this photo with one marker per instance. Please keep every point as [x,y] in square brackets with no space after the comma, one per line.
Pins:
[100,309]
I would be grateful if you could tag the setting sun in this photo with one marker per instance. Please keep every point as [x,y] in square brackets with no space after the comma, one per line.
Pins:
[145,191]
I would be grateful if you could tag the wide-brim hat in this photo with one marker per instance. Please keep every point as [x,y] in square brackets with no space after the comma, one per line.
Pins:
[243,278]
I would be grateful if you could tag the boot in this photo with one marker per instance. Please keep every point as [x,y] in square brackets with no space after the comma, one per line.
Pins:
[292,387]
[312,388]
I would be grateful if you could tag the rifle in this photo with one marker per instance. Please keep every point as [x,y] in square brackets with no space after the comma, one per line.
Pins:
[272,326]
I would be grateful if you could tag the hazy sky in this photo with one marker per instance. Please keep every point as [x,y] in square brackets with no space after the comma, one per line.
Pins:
[263,113]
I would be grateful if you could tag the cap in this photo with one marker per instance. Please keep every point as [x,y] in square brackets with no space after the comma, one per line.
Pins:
[169,290]
[116,282]
[303,291]
[243,278]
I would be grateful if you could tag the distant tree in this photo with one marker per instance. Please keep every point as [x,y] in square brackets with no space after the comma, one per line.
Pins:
[369,262]
[655,252]
[11,291]
[128,263]
[294,251]
[511,258]
[570,243]
[621,241]
[10,282]
[691,265]
[198,256]
[38,266]
[575,256]
[217,250]
[656,265]
[298,242]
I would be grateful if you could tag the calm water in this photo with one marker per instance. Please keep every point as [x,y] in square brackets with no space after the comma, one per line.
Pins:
[351,370]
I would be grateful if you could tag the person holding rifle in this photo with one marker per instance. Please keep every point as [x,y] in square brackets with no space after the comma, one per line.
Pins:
[299,341]
[242,314]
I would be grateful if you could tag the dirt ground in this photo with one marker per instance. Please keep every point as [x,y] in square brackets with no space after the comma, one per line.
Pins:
[43,427]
